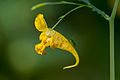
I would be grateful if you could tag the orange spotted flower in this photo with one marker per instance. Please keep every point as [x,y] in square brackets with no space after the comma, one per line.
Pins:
[53,39]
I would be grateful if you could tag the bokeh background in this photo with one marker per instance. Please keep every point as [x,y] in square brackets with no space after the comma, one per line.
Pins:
[89,31]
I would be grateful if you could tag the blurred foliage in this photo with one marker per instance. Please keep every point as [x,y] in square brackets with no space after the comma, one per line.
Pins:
[89,31]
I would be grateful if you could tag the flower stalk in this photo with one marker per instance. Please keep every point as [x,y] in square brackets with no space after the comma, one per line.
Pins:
[61,18]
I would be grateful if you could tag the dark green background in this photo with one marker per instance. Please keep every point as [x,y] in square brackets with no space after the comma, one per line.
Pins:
[89,31]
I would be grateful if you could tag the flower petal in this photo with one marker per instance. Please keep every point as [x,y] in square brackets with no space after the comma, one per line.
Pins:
[40,48]
[42,35]
[40,23]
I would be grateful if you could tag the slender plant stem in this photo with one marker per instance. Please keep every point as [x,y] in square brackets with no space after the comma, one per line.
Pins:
[112,64]
[88,4]
[54,3]
[62,17]
[111,23]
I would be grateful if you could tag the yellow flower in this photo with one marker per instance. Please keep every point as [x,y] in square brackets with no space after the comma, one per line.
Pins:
[52,38]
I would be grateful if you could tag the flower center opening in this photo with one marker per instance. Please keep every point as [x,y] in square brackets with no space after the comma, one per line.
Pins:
[50,32]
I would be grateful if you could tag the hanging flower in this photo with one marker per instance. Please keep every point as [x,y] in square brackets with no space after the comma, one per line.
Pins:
[53,39]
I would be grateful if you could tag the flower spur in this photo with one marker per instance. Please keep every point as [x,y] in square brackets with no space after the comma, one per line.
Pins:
[53,39]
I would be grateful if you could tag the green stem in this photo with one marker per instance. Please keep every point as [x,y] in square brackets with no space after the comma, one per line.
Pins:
[100,12]
[114,9]
[54,3]
[61,18]
[112,64]
[88,4]
[111,23]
